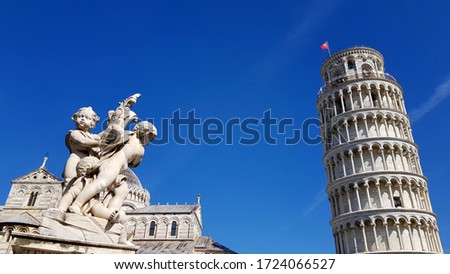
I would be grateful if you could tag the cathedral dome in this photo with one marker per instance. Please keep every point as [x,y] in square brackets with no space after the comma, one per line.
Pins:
[132,179]
[138,196]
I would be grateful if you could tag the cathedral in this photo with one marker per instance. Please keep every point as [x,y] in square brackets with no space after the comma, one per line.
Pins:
[154,229]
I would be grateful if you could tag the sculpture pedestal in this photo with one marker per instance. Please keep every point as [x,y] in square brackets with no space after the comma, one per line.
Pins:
[71,233]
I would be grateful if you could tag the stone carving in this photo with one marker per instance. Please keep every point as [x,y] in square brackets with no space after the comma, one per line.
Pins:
[97,162]
[81,142]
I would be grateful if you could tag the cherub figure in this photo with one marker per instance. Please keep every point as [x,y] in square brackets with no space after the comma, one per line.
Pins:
[84,176]
[80,142]
[109,168]
[107,208]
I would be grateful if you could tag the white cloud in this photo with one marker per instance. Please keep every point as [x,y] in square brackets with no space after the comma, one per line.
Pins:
[316,201]
[441,92]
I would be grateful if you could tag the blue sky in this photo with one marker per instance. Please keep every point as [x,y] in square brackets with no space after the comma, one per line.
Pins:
[223,59]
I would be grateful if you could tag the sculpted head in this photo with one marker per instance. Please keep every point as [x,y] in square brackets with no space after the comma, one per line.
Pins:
[85,118]
[145,132]
[85,165]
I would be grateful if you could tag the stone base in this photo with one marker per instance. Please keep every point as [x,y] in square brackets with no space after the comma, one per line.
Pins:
[71,233]
[77,227]
[25,243]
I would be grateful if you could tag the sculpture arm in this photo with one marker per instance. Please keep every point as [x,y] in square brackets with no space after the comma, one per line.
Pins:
[81,139]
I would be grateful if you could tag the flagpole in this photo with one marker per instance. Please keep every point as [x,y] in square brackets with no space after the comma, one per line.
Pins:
[327,47]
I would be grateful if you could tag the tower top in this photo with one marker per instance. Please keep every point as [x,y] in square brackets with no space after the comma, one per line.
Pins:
[352,64]
[353,51]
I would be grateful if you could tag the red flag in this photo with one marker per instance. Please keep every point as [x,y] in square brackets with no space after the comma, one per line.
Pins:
[324,45]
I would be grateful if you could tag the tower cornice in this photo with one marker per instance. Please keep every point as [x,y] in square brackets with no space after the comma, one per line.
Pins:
[350,51]
[385,77]
[371,175]
[381,213]
[367,142]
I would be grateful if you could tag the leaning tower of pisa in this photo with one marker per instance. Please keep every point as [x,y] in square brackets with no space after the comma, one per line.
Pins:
[378,194]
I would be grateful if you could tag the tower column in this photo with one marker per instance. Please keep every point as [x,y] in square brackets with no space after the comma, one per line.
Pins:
[355,121]
[393,159]
[420,198]
[400,238]
[422,244]
[360,151]
[347,245]
[333,100]
[377,128]
[383,158]
[400,190]
[341,202]
[396,128]
[419,167]
[388,241]
[341,238]
[353,162]
[402,131]
[349,92]
[411,137]
[413,247]
[396,102]
[339,135]
[327,172]
[388,97]
[331,172]
[342,101]
[377,184]
[346,130]
[391,196]
[427,198]
[408,160]
[369,93]
[360,97]
[380,104]
[401,158]
[427,237]
[336,206]
[439,241]
[367,128]
[402,105]
[332,206]
[366,185]
[343,165]
[349,202]
[416,197]
[372,158]
[336,243]
[433,243]
[363,229]
[411,195]
[375,236]
[386,126]
[355,242]
[355,186]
